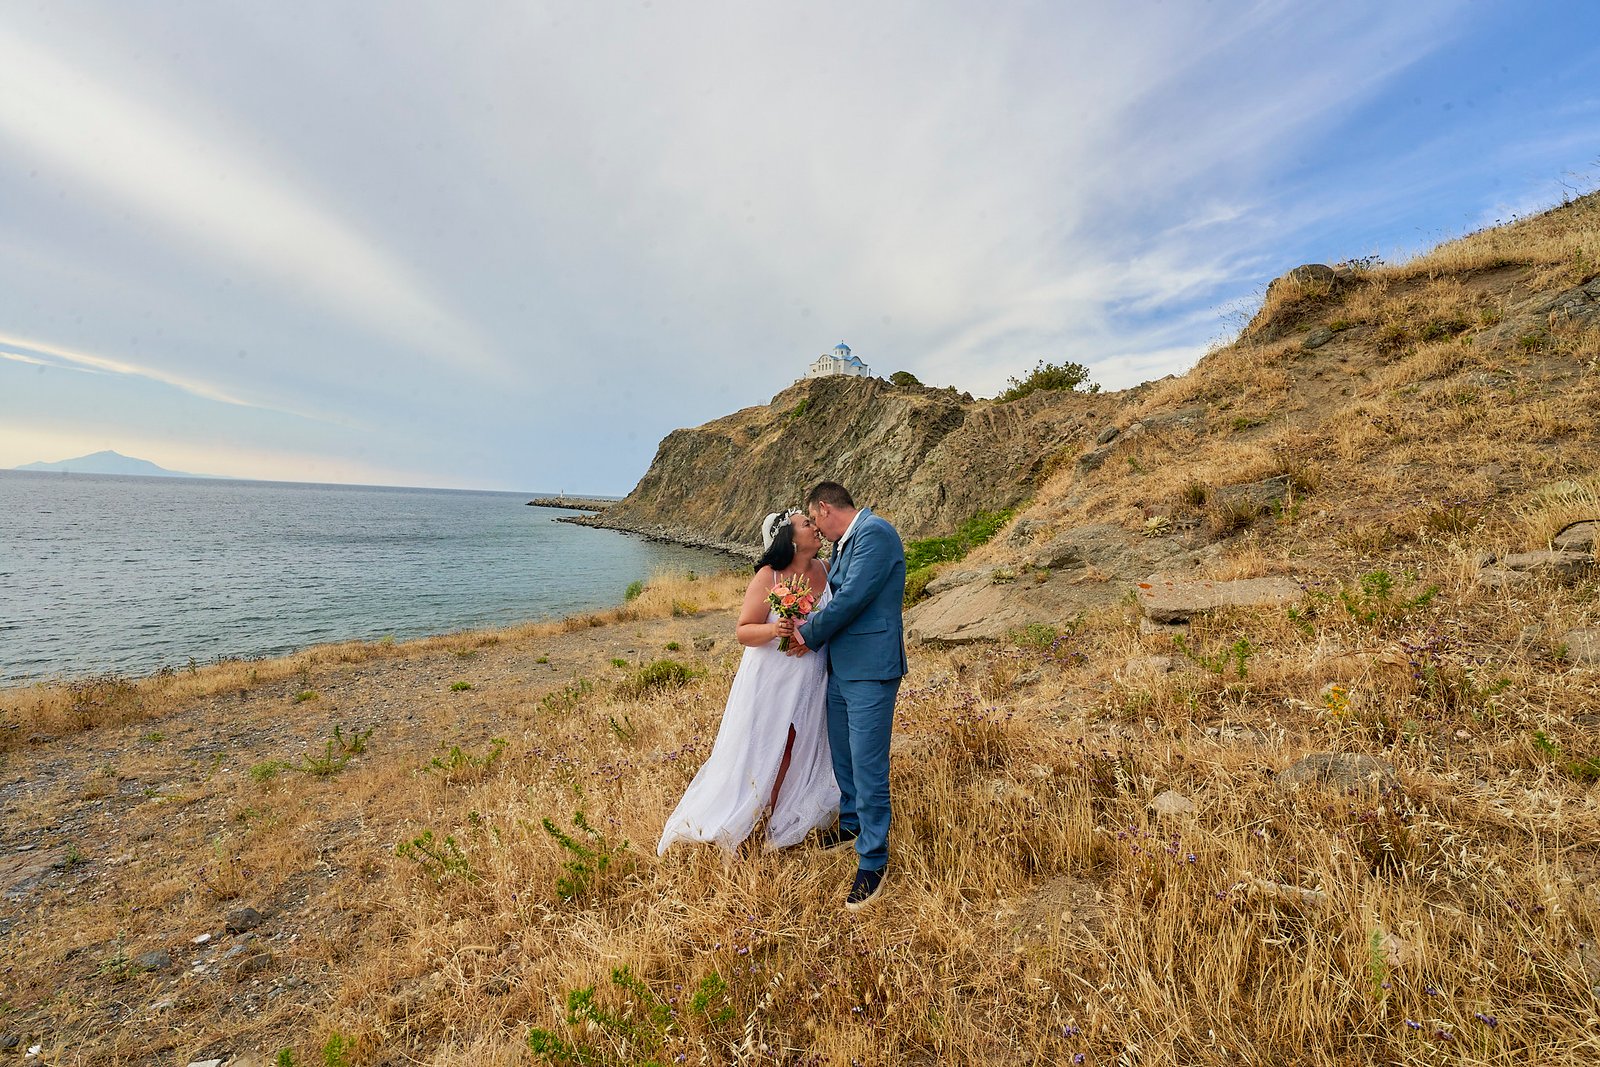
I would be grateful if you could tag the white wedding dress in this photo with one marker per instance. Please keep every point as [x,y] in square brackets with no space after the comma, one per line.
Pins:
[771,691]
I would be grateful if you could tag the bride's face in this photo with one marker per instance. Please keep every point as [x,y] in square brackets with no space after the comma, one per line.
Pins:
[806,537]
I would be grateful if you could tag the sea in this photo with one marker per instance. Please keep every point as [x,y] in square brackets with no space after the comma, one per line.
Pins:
[113,573]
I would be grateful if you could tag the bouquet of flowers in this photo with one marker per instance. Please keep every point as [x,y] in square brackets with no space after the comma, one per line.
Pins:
[791,599]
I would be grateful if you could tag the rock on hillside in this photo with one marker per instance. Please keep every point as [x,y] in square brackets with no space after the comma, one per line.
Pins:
[927,459]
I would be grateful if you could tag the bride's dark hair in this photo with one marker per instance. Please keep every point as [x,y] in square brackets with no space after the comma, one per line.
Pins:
[780,553]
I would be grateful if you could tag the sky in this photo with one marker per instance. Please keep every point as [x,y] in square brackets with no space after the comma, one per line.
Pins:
[511,245]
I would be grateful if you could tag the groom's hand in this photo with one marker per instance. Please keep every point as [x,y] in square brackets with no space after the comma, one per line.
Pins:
[797,643]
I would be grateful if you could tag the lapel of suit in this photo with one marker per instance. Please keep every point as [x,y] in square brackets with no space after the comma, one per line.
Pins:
[836,576]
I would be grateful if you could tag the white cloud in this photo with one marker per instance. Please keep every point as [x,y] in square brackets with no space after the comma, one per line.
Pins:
[219,198]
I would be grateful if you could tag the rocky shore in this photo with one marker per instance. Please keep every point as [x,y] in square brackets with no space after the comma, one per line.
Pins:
[672,535]
[571,503]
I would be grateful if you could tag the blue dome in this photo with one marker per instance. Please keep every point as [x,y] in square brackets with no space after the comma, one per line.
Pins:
[842,347]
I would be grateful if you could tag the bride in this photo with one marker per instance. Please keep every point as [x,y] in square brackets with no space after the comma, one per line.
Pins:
[771,752]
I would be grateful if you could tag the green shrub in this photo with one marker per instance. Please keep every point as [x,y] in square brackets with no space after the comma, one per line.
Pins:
[660,674]
[904,377]
[438,859]
[590,864]
[972,533]
[922,555]
[1065,376]
[634,589]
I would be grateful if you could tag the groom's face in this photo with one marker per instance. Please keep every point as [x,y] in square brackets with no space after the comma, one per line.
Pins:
[828,520]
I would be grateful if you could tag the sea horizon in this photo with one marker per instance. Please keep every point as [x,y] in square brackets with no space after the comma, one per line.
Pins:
[186,477]
[132,574]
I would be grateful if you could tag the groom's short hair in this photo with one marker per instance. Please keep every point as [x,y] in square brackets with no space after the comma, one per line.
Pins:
[830,493]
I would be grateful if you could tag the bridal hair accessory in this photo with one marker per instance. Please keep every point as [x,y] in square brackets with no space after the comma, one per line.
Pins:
[771,525]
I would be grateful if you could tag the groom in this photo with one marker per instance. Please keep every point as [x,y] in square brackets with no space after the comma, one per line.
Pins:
[862,630]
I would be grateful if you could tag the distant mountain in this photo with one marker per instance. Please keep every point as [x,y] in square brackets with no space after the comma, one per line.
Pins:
[109,462]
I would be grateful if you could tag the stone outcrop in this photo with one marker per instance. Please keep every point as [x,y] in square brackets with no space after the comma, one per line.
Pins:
[926,459]
[1167,599]
[1076,571]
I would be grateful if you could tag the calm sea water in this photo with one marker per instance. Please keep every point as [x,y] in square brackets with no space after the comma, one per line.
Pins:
[109,573]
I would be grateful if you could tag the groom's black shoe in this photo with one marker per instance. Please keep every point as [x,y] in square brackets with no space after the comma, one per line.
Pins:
[835,837]
[867,886]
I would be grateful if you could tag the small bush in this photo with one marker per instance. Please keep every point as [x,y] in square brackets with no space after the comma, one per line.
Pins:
[1065,377]
[635,588]
[460,687]
[440,860]
[660,674]
[904,377]
[590,866]
[1375,599]
[917,584]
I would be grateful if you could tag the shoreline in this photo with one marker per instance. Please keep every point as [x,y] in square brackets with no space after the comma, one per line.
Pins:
[667,535]
[387,641]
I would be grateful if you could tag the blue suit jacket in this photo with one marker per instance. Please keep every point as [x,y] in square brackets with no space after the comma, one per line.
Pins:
[861,626]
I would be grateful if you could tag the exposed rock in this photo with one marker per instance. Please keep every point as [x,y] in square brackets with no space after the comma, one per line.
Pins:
[984,610]
[154,960]
[1093,459]
[1317,338]
[243,919]
[975,604]
[1107,435]
[704,644]
[1312,274]
[1583,646]
[9,1042]
[496,987]
[1171,803]
[1350,772]
[1022,531]
[1580,303]
[1577,537]
[1167,599]
[1561,567]
[1238,731]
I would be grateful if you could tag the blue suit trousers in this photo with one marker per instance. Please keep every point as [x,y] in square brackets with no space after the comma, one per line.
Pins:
[860,719]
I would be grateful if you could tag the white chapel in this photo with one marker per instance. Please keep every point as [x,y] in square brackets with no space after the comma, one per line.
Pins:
[838,361]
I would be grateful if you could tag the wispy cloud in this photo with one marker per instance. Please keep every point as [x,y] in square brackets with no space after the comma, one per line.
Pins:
[22,350]
[222,199]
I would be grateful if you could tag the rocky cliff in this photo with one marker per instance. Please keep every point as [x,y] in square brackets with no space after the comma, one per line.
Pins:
[926,459]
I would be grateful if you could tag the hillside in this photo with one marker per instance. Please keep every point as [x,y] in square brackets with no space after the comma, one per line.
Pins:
[1364,416]
[1267,732]
[926,458]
